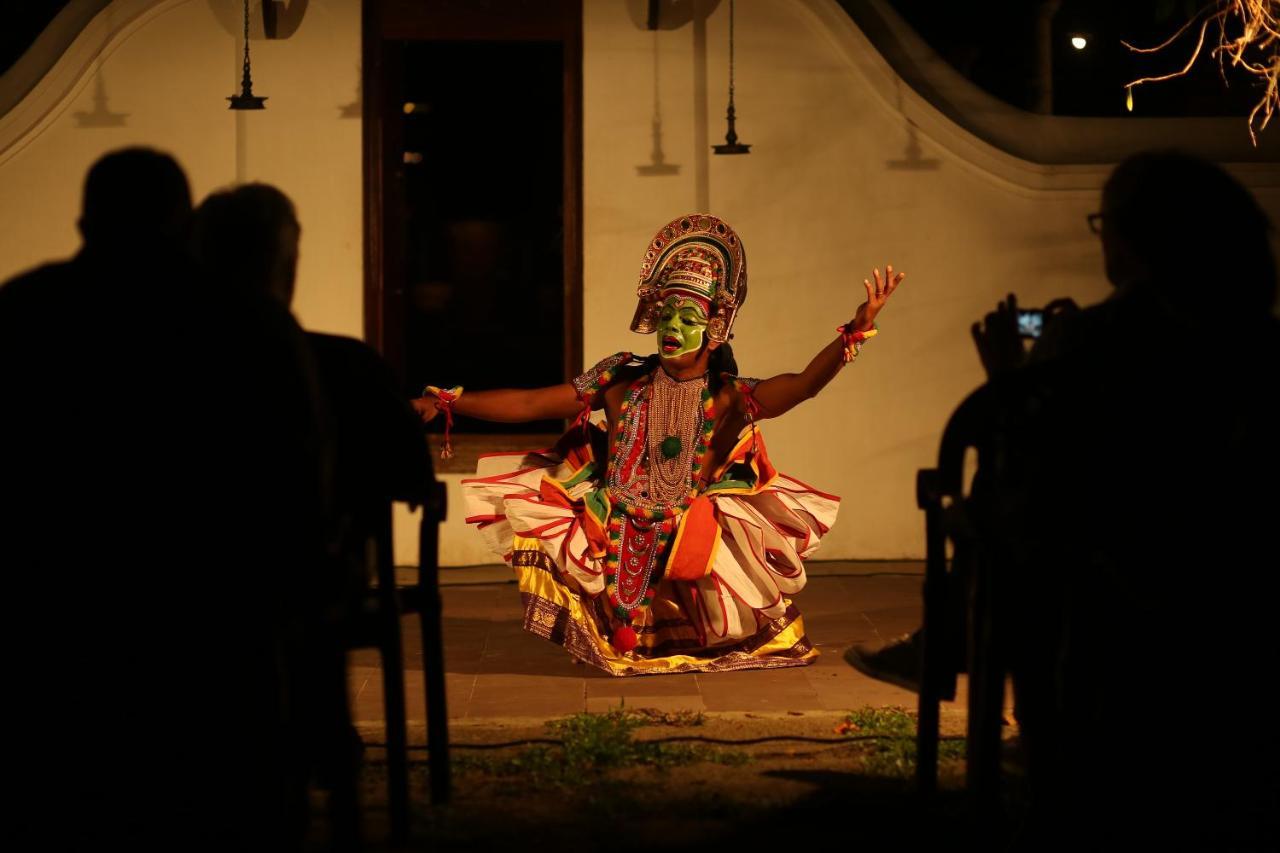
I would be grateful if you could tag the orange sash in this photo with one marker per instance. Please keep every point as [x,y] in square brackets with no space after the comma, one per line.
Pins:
[696,542]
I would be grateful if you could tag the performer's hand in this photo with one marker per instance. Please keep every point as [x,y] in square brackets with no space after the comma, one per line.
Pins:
[877,294]
[426,407]
[999,345]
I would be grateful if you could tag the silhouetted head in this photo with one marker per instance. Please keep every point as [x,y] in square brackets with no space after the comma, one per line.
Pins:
[1187,230]
[135,198]
[247,238]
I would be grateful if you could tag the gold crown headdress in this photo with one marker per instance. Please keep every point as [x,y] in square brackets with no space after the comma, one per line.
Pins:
[698,255]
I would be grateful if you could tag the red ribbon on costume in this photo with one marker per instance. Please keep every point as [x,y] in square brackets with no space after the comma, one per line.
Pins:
[445,398]
[749,398]
[583,420]
[748,392]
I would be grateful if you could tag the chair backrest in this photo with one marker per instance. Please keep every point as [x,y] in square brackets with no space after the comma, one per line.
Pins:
[969,426]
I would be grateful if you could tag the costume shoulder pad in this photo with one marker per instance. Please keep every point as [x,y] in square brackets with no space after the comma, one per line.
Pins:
[741,384]
[595,380]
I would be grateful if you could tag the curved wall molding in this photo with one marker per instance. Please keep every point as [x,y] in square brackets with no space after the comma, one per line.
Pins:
[68,75]
[48,46]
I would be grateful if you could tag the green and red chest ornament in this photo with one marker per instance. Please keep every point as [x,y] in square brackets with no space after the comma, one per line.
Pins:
[693,280]
[654,475]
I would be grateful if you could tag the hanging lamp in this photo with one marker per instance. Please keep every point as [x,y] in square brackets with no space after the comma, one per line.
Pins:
[246,100]
[731,144]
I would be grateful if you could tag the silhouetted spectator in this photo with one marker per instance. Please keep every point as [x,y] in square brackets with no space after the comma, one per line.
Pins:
[247,240]
[1134,505]
[1127,504]
[1150,480]
[168,483]
[247,237]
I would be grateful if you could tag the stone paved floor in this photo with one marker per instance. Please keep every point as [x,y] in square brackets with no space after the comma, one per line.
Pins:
[497,670]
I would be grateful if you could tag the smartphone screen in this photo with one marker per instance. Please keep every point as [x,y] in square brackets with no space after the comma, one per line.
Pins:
[1030,322]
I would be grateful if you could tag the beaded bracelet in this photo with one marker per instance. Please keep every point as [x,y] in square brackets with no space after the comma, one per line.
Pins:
[853,340]
[445,398]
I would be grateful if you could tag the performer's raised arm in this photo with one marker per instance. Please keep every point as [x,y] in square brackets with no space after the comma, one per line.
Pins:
[506,405]
[783,392]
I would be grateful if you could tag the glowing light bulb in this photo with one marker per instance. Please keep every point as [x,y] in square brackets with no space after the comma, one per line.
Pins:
[1079,42]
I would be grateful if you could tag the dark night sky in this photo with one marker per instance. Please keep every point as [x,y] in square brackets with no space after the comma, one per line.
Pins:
[20,22]
[991,42]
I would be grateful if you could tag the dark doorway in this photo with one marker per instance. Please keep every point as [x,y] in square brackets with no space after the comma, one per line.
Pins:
[473,164]
[482,191]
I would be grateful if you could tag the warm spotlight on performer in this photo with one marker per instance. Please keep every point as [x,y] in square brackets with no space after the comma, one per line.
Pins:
[669,542]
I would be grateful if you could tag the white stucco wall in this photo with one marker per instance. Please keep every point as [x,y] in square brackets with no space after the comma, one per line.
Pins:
[168,67]
[849,169]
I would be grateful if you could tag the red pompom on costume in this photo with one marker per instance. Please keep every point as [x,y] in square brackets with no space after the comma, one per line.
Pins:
[624,639]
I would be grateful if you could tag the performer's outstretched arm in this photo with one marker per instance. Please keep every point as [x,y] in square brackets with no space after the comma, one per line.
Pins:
[508,405]
[785,391]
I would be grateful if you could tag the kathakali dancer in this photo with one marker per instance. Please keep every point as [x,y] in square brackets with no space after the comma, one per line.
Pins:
[667,542]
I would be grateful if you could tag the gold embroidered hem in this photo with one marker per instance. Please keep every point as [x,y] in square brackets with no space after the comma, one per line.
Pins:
[668,641]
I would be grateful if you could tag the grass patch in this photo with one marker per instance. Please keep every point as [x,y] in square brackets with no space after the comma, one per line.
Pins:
[676,719]
[894,752]
[592,745]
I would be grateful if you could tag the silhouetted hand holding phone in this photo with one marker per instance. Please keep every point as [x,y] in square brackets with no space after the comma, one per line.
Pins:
[1001,334]
[998,341]
[1059,308]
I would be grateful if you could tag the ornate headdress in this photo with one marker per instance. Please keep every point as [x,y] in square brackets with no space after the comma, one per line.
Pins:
[696,255]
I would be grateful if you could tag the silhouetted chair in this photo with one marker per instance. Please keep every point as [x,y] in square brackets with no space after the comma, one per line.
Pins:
[963,589]
[382,457]
[988,595]
[378,625]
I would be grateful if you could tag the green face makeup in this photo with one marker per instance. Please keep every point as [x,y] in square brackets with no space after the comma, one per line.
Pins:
[681,327]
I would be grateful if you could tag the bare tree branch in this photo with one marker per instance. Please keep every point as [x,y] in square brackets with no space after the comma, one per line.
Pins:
[1256,50]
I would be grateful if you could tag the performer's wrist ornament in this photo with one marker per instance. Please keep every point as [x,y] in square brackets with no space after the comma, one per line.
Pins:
[853,340]
[445,398]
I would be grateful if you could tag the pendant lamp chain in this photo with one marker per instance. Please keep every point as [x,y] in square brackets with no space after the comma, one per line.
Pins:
[731,144]
[246,100]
